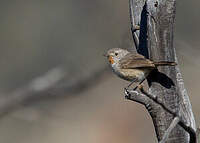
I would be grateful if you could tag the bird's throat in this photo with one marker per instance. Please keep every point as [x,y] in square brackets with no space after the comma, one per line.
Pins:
[111,59]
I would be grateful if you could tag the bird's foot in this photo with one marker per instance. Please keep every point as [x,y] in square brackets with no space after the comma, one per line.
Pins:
[127,93]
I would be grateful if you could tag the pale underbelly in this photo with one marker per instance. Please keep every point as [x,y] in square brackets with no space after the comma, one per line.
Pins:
[133,74]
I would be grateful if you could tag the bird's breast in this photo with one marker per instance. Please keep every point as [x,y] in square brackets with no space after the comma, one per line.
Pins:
[131,74]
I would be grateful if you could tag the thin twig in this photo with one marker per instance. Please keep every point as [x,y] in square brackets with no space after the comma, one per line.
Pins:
[134,27]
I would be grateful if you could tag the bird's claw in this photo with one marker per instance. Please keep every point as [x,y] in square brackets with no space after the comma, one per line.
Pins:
[127,93]
[140,86]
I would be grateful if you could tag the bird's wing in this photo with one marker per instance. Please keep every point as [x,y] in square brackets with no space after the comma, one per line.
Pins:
[131,61]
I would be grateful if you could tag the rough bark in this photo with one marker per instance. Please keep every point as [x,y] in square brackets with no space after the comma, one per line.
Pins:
[156,19]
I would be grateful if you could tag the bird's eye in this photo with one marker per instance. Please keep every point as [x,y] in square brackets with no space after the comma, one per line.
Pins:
[116,54]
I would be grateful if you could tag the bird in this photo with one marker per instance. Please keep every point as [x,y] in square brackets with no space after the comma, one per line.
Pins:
[132,66]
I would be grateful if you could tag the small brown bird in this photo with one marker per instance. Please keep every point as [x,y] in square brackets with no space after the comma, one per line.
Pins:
[132,66]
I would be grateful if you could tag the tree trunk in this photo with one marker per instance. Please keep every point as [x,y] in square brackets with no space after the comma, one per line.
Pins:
[156,35]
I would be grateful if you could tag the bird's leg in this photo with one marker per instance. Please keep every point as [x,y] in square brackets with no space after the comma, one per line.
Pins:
[130,84]
[139,84]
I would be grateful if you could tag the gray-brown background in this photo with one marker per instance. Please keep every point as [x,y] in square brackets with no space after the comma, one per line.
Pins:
[38,35]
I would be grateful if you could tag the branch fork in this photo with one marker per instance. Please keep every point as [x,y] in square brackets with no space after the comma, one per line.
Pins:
[148,100]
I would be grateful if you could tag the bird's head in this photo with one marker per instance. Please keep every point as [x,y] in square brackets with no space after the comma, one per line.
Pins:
[115,54]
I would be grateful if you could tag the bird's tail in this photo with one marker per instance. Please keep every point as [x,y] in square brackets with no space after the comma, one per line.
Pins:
[165,63]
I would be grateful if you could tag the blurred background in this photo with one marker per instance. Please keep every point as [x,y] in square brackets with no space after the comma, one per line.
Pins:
[55,85]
